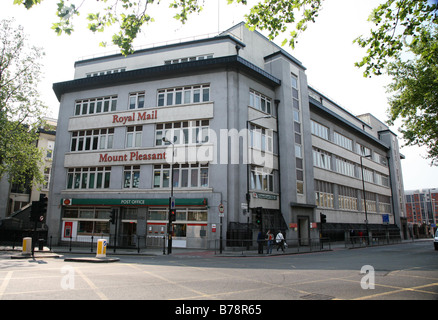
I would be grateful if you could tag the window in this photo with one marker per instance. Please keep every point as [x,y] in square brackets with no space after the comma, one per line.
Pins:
[384,204]
[362,150]
[96,105]
[92,139]
[262,179]
[186,175]
[101,73]
[382,179]
[347,198]
[322,159]
[185,132]
[324,194]
[380,159]
[188,59]
[371,202]
[131,176]
[343,141]
[183,95]
[136,100]
[89,178]
[319,130]
[368,175]
[46,178]
[260,102]
[346,167]
[49,150]
[261,138]
[133,136]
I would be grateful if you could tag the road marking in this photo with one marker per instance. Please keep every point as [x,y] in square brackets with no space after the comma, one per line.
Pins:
[92,285]
[199,293]
[415,289]
[5,283]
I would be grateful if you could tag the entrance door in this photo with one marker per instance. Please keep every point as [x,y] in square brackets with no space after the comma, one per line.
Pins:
[129,233]
[303,230]
[179,235]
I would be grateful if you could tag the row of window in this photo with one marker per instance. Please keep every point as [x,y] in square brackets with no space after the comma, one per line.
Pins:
[323,159]
[297,135]
[185,132]
[183,95]
[93,221]
[165,97]
[323,132]
[188,59]
[184,176]
[348,198]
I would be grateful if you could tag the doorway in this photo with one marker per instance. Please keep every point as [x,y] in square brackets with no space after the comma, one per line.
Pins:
[303,231]
[129,234]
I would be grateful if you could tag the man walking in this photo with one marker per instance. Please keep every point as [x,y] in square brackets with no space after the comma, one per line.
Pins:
[280,241]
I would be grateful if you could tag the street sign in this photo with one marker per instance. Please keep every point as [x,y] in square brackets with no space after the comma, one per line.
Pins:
[385,218]
[221,210]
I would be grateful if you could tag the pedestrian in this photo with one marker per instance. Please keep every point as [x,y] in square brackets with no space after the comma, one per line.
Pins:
[260,240]
[352,234]
[280,241]
[269,238]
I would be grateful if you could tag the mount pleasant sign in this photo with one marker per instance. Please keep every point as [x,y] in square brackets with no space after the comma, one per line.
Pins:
[118,157]
[134,156]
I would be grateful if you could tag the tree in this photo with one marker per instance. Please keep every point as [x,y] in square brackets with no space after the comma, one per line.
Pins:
[20,107]
[415,94]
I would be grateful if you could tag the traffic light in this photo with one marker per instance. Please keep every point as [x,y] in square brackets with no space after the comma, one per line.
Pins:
[258,219]
[172,215]
[113,216]
[35,211]
[323,218]
[43,209]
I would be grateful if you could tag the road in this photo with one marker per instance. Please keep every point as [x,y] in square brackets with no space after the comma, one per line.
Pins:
[394,272]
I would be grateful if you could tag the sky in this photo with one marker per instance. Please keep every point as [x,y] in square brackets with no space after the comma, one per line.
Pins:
[326,49]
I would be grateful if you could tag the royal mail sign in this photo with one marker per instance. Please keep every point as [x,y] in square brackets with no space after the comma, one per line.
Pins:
[141,116]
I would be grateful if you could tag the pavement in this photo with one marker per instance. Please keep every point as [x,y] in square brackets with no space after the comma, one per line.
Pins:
[80,254]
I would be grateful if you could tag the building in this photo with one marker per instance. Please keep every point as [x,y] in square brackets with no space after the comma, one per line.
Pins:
[422,210]
[252,146]
[14,197]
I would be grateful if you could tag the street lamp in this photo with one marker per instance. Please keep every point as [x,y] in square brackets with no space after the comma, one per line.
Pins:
[171,201]
[364,197]
[248,167]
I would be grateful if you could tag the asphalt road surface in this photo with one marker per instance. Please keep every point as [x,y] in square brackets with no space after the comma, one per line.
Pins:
[395,272]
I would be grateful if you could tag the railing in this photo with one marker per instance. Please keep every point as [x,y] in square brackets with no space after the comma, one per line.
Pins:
[364,241]
[289,246]
[89,243]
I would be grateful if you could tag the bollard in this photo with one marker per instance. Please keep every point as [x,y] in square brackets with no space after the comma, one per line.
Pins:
[27,246]
[101,248]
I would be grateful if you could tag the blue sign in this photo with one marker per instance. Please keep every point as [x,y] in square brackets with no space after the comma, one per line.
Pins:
[385,218]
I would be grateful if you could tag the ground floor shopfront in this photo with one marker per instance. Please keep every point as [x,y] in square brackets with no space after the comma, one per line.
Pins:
[137,222]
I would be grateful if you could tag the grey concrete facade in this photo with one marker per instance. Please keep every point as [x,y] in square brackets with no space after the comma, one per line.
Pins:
[247,83]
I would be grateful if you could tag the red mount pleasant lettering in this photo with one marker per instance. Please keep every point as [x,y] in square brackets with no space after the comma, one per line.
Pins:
[135,116]
[132,156]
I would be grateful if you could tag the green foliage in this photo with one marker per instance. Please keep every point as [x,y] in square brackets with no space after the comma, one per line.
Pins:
[277,15]
[20,107]
[398,24]
[415,94]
